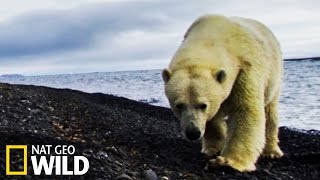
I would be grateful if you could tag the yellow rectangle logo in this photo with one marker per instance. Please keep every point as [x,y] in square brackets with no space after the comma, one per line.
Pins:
[8,147]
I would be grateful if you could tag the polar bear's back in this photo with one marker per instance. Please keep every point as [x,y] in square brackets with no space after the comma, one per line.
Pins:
[261,33]
[241,36]
[235,33]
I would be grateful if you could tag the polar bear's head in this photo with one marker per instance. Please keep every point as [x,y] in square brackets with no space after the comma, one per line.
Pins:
[195,95]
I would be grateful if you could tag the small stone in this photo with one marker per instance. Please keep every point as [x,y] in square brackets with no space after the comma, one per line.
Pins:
[28,177]
[4,123]
[123,177]
[103,154]
[116,168]
[51,108]
[118,163]
[16,116]
[150,175]
[164,178]
[132,173]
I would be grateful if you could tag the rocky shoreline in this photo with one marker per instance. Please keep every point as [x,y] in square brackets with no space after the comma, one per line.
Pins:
[125,139]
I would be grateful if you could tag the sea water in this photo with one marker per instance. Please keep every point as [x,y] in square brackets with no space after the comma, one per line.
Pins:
[299,102]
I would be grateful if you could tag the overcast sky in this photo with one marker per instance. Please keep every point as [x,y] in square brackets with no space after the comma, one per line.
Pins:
[76,36]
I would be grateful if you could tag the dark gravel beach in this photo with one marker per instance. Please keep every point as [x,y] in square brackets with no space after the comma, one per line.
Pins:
[125,139]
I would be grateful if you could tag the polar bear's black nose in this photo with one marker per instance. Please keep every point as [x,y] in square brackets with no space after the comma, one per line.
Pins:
[192,132]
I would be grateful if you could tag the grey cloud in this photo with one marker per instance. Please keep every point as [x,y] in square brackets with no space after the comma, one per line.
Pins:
[46,32]
[102,34]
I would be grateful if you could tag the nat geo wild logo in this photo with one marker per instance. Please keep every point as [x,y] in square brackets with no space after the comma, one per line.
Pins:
[46,160]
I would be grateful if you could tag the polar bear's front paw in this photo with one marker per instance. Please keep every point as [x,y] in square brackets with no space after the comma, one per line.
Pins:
[222,161]
[272,152]
[210,151]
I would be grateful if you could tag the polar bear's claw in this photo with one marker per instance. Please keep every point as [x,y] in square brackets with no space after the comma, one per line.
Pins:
[272,153]
[222,161]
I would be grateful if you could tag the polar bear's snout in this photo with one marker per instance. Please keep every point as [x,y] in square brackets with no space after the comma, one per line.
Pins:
[192,122]
[192,132]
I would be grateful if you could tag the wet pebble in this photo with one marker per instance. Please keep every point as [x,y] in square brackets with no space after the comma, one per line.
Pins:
[164,178]
[118,163]
[35,111]
[4,123]
[28,177]
[132,173]
[116,167]
[102,154]
[150,175]
[116,151]
[123,177]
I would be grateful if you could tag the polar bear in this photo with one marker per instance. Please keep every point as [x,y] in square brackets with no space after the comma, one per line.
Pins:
[223,84]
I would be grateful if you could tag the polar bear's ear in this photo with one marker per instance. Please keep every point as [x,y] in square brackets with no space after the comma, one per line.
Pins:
[166,74]
[221,76]
[244,63]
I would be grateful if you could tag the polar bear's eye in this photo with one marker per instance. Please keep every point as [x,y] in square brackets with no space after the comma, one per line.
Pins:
[179,106]
[221,76]
[203,106]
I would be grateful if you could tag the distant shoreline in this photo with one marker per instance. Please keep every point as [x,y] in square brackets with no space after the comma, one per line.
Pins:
[21,75]
[303,59]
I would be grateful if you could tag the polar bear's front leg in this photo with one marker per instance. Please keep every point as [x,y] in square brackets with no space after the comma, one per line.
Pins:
[215,134]
[272,149]
[246,134]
